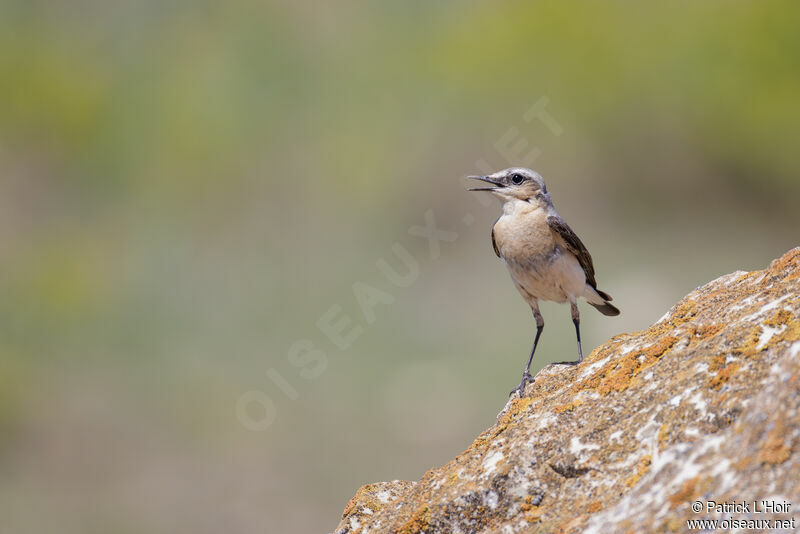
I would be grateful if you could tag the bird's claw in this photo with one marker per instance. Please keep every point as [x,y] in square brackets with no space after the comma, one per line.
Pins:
[576,362]
[520,389]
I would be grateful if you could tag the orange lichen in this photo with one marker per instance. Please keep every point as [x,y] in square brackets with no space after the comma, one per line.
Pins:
[362,498]
[708,330]
[742,464]
[791,330]
[663,436]
[595,506]
[617,374]
[716,363]
[781,319]
[775,451]
[787,265]
[748,347]
[641,469]
[660,347]
[598,354]
[508,419]
[532,513]
[685,313]
[419,521]
[722,376]
[685,494]
[534,516]
[568,407]
[571,525]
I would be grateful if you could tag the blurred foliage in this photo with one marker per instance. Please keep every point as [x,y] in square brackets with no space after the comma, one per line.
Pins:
[185,187]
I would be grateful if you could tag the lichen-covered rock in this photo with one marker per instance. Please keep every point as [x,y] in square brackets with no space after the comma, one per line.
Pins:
[368,500]
[704,405]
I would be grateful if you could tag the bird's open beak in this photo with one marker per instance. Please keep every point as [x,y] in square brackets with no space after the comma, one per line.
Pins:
[485,179]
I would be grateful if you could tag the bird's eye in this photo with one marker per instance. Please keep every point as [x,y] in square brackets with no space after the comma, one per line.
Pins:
[517,179]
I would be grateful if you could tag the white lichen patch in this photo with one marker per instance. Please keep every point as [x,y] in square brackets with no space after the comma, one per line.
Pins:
[663,317]
[649,387]
[595,366]
[774,304]
[489,464]
[491,499]
[689,466]
[545,421]
[676,400]
[624,465]
[720,467]
[576,447]
[771,305]
[699,403]
[384,496]
[648,431]
[615,436]
[587,395]
[766,334]
[682,461]
[736,276]
[682,343]
[742,304]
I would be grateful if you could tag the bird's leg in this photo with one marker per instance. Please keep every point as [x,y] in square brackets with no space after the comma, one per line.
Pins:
[526,374]
[576,320]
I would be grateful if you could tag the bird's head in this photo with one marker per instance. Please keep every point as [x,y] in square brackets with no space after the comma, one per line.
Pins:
[516,183]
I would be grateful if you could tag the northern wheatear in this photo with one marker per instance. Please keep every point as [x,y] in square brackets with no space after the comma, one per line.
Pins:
[544,256]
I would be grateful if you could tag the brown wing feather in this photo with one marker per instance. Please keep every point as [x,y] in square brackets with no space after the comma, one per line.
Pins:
[574,245]
[494,244]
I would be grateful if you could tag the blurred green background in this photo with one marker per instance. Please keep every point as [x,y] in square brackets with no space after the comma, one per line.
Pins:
[187,187]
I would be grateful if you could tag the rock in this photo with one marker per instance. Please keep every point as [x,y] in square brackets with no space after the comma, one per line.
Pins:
[370,499]
[704,405]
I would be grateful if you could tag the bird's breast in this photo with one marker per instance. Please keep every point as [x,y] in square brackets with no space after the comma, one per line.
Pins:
[539,266]
[524,236]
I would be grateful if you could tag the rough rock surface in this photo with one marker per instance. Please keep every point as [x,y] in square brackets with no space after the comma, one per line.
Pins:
[703,405]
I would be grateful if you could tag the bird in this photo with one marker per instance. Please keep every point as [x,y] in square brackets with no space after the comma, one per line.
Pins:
[546,259]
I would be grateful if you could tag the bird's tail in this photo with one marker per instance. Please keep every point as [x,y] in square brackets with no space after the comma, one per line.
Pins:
[600,300]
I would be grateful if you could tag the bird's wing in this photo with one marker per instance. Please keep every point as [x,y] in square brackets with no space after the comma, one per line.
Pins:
[573,244]
[494,245]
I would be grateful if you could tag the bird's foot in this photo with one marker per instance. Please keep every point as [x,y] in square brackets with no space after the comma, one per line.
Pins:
[520,389]
[576,362]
